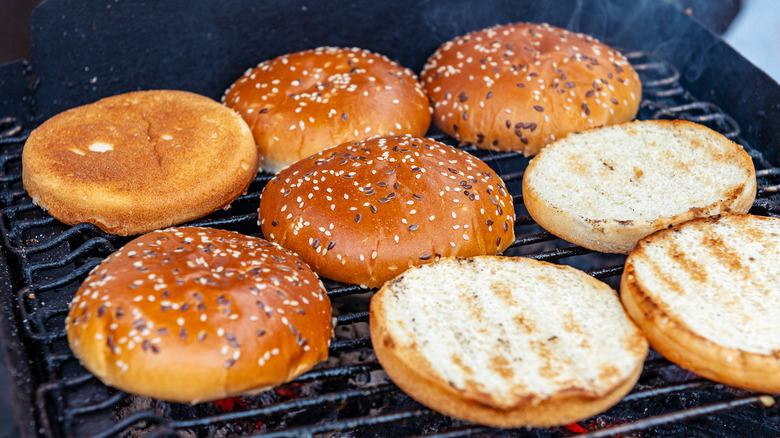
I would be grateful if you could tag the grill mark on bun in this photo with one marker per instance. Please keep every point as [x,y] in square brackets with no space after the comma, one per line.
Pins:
[431,201]
[724,253]
[524,71]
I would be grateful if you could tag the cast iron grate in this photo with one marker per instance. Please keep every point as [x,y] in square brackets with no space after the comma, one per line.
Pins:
[348,395]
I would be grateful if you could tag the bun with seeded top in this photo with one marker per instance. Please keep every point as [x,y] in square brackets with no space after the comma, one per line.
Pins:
[197,314]
[301,103]
[363,212]
[521,86]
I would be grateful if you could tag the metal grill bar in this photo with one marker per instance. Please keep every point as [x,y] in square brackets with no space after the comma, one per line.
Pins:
[280,408]
[345,290]
[344,371]
[607,272]
[352,318]
[345,425]
[461,432]
[350,344]
[674,417]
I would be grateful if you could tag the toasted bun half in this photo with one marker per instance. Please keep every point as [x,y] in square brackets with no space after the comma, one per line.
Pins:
[606,188]
[301,103]
[197,314]
[139,161]
[363,212]
[706,295]
[521,86]
[506,342]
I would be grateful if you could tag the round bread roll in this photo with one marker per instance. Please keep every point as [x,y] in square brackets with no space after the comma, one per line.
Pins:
[521,86]
[606,188]
[706,295]
[139,161]
[197,314]
[506,342]
[363,212]
[301,103]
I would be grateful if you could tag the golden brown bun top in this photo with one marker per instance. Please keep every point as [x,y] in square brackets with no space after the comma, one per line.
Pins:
[521,86]
[138,161]
[363,212]
[195,314]
[301,103]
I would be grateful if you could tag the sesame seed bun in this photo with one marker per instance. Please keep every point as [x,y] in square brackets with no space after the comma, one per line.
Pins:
[363,212]
[139,161]
[521,86]
[301,103]
[198,314]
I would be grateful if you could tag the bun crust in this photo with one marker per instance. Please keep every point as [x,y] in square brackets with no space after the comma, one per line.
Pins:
[606,188]
[705,295]
[521,86]
[139,161]
[518,366]
[363,212]
[197,314]
[301,103]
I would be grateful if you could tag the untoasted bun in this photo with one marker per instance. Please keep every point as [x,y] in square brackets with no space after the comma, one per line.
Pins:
[197,314]
[606,188]
[301,103]
[139,161]
[363,212]
[506,341]
[521,86]
[706,295]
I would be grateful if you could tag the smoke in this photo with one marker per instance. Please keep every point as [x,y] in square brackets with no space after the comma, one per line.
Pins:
[675,30]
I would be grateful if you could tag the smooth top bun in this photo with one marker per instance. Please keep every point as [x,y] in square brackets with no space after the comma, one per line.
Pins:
[301,103]
[521,86]
[197,314]
[139,161]
[364,212]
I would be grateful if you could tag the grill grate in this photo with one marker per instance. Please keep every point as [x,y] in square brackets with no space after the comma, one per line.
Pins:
[349,394]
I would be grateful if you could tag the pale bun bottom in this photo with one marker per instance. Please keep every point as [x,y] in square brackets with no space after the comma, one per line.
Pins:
[678,344]
[557,410]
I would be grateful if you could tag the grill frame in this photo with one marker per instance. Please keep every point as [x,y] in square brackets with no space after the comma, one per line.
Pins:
[39,387]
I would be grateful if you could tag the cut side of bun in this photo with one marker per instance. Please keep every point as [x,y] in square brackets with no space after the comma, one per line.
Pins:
[506,342]
[705,293]
[301,103]
[606,188]
[198,314]
[521,86]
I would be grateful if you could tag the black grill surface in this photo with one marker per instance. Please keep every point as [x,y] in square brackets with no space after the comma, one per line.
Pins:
[349,395]
[84,50]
